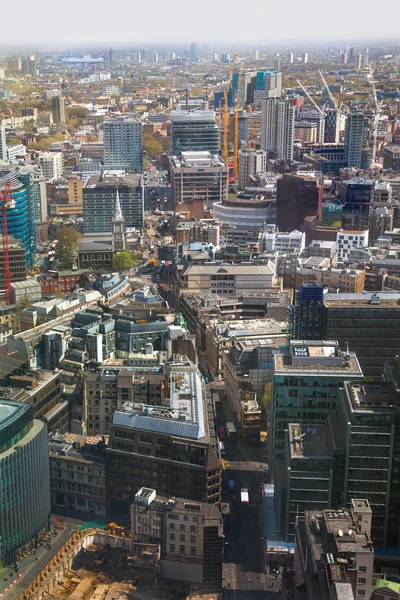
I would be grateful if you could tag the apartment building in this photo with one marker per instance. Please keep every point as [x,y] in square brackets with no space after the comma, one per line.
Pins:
[250,163]
[190,536]
[171,447]
[51,164]
[348,240]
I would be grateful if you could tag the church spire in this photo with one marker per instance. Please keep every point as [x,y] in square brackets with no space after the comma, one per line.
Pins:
[118,216]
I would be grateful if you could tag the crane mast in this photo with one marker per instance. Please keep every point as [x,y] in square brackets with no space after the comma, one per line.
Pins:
[6,202]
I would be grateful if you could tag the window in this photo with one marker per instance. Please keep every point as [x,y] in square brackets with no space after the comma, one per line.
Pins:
[182,537]
[192,550]
[172,536]
[172,547]
[361,593]
[181,549]
[362,569]
[192,539]
[361,580]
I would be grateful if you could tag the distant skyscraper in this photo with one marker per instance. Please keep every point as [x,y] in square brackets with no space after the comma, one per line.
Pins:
[256,54]
[3,143]
[155,57]
[290,58]
[58,109]
[304,58]
[193,52]
[123,144]
[277,127]
[194,131]
[355,138]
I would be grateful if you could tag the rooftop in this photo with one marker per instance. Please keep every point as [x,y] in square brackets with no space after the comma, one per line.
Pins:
[182,417]
[197,160]
[308,442]
[179,116]
[317,357]
[370,397]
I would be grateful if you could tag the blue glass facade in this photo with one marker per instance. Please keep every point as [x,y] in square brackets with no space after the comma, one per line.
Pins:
[21,218]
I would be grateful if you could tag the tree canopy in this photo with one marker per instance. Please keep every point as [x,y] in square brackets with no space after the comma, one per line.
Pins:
[68,242]
[122,261]
[151,146]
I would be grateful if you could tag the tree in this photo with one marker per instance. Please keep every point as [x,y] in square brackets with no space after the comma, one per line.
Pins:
[79,112]
[122,261]
[151,146]
[68,243]
[266,400]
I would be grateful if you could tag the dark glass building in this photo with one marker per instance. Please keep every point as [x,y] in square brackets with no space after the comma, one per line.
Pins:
[360,192]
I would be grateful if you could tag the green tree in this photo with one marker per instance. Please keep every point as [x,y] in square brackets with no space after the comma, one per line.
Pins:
[122,261]
[266,400]
[78,112]
[68,243]
[151,146]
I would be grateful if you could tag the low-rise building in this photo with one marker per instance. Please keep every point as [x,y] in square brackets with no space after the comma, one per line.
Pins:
[17,261]
[27,290]
[347,240]
[190,535]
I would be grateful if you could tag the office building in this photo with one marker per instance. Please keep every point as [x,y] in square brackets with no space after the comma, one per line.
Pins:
[304,479]
[173,448]
[99,201]
[391,157]
[355,138]
[17,257]
[75,194]
[306,381]
[392,378]
[328,159]
[298,197]
[24,479]
[277,128]
[51,164]
[193,52]
[306,116]
[190,536]
[15,152]
[3,143]
[250,163]
[58,109]
[306,315]
[348,240]
[268,85]
[123,146]
[359,199]
[305,131]
[198,175]
[369,322]
[332,123]
[21,218]
[194,131]
[367,425]
[77,474]
[334,555]
[242,83]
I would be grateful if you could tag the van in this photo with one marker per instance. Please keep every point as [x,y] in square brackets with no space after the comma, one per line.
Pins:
[231,485]
[222,448]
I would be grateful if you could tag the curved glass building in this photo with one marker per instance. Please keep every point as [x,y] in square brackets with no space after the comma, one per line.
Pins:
[21,218]
[24,478]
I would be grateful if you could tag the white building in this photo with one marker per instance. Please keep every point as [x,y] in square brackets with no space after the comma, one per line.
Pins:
[16,151]
[3,143]
[348,240]
[277,127]
[250,163]
[123,144]
[273,241]
[52,164]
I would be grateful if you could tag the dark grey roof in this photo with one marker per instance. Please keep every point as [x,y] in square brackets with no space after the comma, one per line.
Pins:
[150,423]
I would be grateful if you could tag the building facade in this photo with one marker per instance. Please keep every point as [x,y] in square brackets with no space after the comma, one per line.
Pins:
[277,128]
[195,131]
[198,175]
[123,146]
[250,163]
[355,138]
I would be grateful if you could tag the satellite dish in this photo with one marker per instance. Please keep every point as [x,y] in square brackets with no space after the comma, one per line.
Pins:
[340,533]
[350,531]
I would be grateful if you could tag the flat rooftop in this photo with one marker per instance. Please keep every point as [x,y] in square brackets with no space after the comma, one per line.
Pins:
[370,397]
[247,327]
[197,160]
[363,299]
[317,357]
[182,417]
[308,441]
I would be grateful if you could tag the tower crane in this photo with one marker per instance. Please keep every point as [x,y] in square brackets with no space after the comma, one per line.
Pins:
[331,97]
[6,203]
[318,108]
[378,110]
[236,129]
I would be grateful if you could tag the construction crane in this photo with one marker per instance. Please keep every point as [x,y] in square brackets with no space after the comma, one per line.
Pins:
[376,120]
[226,110]
[6,202]
[331,97]
[318,108]
[236,129]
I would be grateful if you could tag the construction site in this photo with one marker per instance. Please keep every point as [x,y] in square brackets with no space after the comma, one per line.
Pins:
[97,564]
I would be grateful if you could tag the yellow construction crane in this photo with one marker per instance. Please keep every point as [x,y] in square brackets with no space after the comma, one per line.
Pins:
[236,129]
[226,109]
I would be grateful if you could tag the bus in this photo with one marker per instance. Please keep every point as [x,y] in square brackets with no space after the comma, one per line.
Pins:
[221,432]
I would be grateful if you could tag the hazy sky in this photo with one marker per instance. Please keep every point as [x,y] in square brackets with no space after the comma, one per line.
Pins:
[253,23]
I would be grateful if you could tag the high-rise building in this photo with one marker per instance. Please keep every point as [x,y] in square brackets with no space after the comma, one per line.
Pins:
[392,377]
[277,128]
[298,197]
[241,83]
[58,109]
[268,85]
[194,131]
[51,164]
[305,389]
[99,201]
[123,147]
[24,478]
[198,175]
[306,315]
[359,198]
[332,122]
[355,138]
[3,143]
[193,52]
[304,58]
[250,163]
[21,217]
